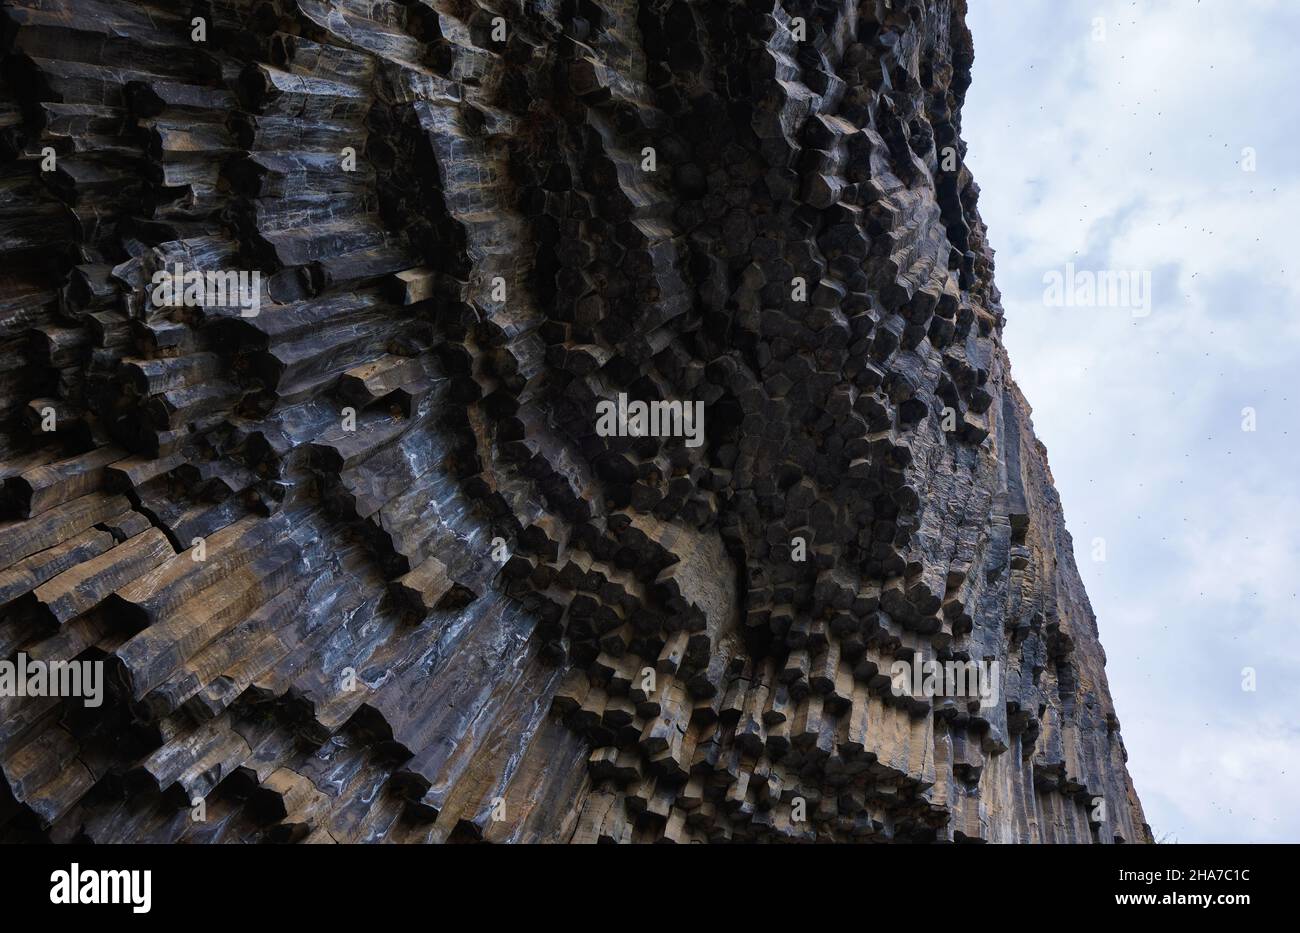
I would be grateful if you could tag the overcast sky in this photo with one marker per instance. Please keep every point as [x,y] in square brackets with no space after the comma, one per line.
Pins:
[1125,153]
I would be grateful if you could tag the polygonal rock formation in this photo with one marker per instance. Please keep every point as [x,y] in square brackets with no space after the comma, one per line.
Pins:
[340,522]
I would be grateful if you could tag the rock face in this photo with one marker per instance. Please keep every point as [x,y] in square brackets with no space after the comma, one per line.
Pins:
[336,517]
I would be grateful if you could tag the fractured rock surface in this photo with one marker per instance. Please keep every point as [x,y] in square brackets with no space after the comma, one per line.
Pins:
[357,562]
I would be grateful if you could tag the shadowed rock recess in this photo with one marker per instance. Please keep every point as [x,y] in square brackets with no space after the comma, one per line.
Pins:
[356,561]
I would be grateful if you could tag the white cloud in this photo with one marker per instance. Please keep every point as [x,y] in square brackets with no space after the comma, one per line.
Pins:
[1125,154]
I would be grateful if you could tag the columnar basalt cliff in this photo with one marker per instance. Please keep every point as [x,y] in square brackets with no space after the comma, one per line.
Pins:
[337,519]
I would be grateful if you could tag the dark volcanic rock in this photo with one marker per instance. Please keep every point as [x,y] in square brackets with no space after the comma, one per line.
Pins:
[357,558]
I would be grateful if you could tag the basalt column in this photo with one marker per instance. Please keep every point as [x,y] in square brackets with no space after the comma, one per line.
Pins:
[308,310]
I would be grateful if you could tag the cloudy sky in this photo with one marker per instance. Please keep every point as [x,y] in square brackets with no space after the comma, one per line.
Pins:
[1116,136]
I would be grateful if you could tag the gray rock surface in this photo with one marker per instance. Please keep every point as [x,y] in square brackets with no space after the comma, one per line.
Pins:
[355,557]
